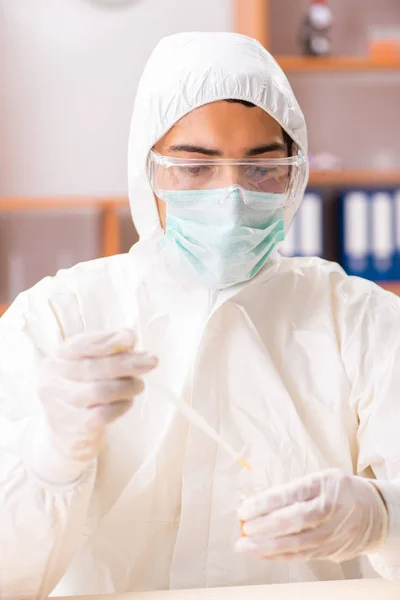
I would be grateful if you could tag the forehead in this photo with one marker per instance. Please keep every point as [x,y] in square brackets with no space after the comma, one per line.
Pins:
[225,124]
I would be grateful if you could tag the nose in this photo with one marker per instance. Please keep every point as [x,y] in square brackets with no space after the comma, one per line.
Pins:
[230,176]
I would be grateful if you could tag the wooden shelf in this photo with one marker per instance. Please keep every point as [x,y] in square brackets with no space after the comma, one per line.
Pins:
[338,63]
[251,17]
[108,207]
[350,177]
[11,204]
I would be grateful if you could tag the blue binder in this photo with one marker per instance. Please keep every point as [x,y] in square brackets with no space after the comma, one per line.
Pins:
[396,201]
[370,225]
[306,235]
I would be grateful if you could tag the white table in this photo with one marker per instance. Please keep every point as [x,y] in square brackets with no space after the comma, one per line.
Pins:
[367,589]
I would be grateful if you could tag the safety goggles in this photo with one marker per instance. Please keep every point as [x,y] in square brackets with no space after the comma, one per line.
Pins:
[283,176]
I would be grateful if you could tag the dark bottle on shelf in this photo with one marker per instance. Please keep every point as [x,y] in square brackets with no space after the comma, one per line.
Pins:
[315,31]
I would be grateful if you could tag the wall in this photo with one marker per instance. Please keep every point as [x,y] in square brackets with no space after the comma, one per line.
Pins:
[69,70]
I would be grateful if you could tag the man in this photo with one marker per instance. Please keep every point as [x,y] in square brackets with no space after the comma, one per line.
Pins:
[106,487]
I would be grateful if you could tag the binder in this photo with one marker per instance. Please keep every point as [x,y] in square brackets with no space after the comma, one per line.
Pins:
[311,226]
[382,235]
[371,234]
[305,237]
[397,233]
[355,233]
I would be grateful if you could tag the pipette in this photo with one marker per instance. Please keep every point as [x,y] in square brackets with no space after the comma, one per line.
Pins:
[193,416]
[196,419]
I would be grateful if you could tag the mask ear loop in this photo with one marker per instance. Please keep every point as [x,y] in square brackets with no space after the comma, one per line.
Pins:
[151,172]
[298,176]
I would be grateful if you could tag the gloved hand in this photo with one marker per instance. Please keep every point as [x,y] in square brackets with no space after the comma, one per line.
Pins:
[88,383]
[328,515]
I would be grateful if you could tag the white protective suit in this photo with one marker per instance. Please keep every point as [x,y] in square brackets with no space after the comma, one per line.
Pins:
[299,366]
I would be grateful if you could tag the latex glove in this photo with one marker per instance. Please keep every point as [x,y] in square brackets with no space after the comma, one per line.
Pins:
[88,383]
[328,515]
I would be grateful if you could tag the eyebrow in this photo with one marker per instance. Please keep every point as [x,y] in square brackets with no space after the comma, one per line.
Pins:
[195,150]
[275,146]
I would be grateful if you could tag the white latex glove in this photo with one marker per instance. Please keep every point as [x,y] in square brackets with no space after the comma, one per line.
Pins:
[328,515]
[88,383]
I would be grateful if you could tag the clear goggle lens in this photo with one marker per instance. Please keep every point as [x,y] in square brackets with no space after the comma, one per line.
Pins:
[267,175]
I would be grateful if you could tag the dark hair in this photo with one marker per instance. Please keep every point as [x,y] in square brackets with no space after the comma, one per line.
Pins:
[286,137]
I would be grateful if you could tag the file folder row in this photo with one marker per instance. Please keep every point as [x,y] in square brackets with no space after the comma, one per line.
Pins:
[306,237]
[370,240]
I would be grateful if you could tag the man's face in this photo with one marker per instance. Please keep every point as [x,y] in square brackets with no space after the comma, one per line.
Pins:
[222,130]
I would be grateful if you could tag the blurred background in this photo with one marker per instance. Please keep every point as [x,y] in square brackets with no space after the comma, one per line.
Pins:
[68,75]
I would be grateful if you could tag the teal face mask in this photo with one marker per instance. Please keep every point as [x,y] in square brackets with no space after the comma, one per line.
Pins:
[226,234]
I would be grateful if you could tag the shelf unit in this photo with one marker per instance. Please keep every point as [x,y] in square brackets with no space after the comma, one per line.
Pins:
[108,206]
[253,18]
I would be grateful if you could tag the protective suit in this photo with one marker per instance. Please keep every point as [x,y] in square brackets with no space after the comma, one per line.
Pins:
[299,367]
